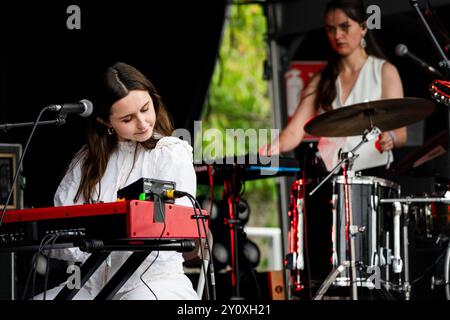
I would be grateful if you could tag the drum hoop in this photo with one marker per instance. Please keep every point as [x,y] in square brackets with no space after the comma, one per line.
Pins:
[367,180]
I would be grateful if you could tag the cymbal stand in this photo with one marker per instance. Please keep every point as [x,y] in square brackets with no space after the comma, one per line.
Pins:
[346,162]
[369,134]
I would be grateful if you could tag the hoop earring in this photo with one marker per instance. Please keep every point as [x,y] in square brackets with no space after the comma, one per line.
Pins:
[363,43]
[110,131]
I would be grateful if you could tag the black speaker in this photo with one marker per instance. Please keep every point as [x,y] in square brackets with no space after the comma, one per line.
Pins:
[7,276]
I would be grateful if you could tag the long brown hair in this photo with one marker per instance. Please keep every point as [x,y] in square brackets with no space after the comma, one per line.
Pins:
[115,84]
[326,90]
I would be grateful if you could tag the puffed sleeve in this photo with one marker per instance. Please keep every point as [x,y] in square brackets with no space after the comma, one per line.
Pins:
[65,194]
[173,159]
[64,197]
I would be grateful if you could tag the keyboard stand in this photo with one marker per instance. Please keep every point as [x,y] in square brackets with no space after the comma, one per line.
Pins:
[141,249]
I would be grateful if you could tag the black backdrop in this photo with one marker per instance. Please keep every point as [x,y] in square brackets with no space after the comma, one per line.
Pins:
[175,43]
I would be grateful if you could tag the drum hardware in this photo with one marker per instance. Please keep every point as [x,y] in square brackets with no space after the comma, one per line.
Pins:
[407,284]
[346,162]
[295,258]
[377,116]
[379,246]
[397,263]
[447,272]
[349,157]
[444,63]
[330,280]
[440,91]
[393,256]
[409,200]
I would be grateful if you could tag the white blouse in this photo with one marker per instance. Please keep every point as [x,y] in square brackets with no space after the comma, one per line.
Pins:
[366,88]
[170,160]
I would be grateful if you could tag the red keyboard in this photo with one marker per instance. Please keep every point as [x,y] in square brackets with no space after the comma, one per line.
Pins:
[104,221]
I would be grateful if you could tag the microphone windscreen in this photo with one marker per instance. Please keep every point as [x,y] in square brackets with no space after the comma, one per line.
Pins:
[401,50]
[89,108]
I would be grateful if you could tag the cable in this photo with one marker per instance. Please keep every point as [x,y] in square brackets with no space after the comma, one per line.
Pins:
[202,253]
[19,166]
[196,205]
[47,267]
[158,245]
[172,194]
[34,264]
[447,272]
[211,262]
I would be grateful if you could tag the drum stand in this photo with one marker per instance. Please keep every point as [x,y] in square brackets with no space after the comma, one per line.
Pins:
[346,162]
[401,206]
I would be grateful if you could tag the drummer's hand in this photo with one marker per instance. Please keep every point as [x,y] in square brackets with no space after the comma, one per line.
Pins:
[386,141]
[269,149]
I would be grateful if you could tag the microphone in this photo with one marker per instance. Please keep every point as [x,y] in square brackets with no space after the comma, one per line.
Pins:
[84,108]
[402,51]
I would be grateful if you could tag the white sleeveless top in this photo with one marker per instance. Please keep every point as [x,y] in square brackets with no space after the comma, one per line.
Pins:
[366,88]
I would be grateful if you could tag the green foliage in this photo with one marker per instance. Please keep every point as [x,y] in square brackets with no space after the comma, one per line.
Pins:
[238,99]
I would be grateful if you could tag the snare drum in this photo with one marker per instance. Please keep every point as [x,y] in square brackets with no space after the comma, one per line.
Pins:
[369,220]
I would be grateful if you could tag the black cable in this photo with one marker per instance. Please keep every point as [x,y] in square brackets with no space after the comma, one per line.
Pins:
[19,166]
[30,273]
[47,266]
[158,246]
[198,216]
[211,263]
[196,206]
[33,270]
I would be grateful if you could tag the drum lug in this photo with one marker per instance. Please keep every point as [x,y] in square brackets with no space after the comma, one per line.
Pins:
[385,257]
[354,230]
[397,265]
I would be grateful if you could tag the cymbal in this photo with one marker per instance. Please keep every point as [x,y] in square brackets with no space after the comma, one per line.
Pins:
[386,114]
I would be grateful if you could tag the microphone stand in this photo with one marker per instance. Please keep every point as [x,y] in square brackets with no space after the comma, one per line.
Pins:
[59,121]
[445,62]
